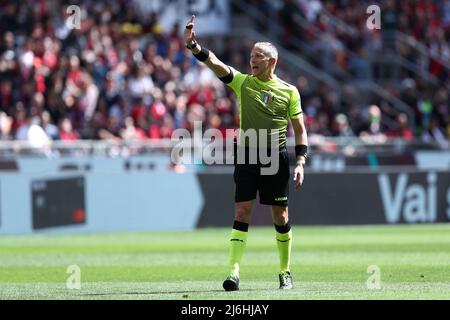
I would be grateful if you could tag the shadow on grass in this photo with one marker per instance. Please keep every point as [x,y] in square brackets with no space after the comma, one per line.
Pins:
[161,292]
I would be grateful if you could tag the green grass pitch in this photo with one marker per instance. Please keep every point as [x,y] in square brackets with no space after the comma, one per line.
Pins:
[327,263]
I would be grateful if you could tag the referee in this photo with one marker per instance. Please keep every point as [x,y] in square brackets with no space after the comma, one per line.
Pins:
[265,105]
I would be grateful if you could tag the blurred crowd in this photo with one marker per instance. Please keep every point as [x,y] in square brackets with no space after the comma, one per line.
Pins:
[333,36]
[120,77]
[115,78]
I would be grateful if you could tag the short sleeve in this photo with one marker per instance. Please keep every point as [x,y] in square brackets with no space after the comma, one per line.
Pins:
[295,105]
[238,80]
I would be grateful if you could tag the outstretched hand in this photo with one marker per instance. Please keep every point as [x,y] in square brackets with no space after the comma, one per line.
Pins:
[189,33]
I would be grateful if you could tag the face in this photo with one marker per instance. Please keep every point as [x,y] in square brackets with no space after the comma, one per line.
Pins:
[260,63]
[67,125]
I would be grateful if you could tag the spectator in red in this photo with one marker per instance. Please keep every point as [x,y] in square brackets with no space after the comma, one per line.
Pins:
[131,132]
[66,131]
[402,130]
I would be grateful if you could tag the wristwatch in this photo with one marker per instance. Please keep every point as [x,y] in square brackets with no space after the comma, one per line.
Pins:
[191,45]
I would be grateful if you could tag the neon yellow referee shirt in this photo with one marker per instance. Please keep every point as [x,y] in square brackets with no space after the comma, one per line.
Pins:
[266,105]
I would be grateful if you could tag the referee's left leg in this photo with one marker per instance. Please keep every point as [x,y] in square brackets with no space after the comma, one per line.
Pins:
[283,232]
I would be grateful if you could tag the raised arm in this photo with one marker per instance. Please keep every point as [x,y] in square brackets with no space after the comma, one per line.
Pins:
[221,70]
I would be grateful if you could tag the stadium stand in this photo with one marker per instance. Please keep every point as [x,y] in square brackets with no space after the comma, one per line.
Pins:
[122,77]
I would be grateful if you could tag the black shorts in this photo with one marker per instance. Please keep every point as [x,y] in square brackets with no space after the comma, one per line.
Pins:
[273,189]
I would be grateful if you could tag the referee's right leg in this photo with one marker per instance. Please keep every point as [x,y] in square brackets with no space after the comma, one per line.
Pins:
[245,193]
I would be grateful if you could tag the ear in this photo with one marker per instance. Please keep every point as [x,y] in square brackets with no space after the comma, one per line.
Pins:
[272,61]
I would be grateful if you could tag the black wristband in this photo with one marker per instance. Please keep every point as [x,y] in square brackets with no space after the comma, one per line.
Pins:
[203,55]
[228,78]
[301,150]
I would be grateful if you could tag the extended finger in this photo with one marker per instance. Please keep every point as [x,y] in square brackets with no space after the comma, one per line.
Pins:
[296,181]
[190,23]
